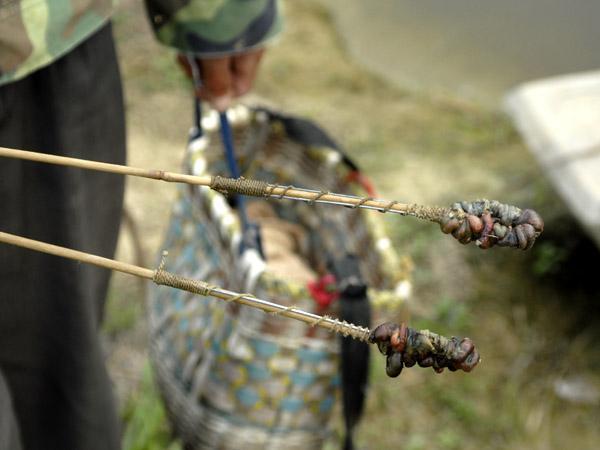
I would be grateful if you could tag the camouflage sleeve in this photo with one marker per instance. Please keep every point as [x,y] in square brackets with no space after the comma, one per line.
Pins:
[34,33]
[214,27]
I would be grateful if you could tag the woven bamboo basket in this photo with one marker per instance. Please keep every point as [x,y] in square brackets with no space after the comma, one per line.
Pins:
[232,377]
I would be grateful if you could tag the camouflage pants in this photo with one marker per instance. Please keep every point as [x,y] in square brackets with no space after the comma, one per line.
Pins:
[54,389]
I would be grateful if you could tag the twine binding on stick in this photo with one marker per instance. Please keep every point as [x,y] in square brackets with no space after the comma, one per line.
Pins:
[485,222]
[161,277]
[446,351]
[164,278]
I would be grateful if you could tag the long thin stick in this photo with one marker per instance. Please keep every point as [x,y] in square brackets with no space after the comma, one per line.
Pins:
[424,347]
[239,186]
[162,277]
[104,167]
[487,223]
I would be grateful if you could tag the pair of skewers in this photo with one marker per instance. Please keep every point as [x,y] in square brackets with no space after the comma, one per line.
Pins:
[487,223]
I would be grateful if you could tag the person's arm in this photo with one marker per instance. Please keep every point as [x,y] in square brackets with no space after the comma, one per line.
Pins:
[226,37]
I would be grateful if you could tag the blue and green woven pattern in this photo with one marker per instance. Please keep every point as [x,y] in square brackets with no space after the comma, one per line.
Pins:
[234,377]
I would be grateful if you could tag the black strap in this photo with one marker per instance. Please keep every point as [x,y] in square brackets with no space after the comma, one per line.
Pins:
[354,308]
[308,133]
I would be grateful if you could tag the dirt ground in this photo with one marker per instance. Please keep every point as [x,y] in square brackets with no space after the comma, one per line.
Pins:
[533,315]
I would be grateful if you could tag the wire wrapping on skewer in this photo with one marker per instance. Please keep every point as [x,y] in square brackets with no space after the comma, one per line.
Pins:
[485,222]
[414,346]
[164,278]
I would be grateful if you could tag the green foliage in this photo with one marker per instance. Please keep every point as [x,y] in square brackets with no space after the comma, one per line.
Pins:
[448,438]
[455,401]
[448,316]
[123,306]
[413,237]
[147,427]
[549,257]
[416,441]
[453,314]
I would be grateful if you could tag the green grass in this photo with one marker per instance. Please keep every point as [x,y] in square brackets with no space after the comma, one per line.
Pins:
[147,425]
[123,309]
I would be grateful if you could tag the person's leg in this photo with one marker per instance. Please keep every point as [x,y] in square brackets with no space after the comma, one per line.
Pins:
[51,308]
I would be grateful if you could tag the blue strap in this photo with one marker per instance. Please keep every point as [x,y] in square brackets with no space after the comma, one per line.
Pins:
[227,139]
[251,236]
[250,231]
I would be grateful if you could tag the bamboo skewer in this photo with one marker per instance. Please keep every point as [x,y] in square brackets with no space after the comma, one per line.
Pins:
[487,223]
[162,277]
[415,346]
[423,347]
[104,167]
[273,190]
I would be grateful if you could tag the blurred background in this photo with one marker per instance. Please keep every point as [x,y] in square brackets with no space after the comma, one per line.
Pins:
[474,49]
[413,91]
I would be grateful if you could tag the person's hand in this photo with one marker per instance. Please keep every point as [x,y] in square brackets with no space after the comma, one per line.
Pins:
[224,78]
